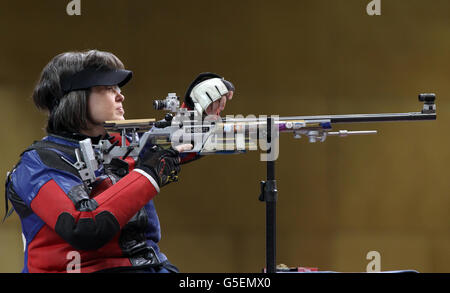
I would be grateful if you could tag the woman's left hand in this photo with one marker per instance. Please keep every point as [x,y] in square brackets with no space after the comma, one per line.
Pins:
[219,105]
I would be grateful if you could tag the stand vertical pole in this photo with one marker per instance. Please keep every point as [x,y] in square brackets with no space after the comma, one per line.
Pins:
[269,195]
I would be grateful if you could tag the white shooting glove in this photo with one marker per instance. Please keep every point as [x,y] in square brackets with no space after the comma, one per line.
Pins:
[207,92]
[206,89]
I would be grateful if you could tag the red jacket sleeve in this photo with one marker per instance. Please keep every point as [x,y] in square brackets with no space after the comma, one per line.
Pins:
[97,221]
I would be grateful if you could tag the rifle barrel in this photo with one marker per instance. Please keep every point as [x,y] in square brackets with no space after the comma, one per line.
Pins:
[348,118]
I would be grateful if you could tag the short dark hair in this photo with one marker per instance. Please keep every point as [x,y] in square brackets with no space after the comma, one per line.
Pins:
[68,112]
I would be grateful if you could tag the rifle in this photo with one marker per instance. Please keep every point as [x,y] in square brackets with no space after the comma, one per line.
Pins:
[228,135]
[217,135]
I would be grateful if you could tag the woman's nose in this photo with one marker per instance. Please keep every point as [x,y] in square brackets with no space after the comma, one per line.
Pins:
[120,97]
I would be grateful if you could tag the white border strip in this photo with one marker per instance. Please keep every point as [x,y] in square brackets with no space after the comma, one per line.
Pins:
[150,178]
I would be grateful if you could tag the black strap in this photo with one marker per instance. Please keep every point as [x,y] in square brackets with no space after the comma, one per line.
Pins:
[8,212]
[45,144]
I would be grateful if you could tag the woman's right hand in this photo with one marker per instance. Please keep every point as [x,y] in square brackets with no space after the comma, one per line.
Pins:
[162,164]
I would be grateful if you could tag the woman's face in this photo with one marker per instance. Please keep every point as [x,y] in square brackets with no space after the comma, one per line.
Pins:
[105,103]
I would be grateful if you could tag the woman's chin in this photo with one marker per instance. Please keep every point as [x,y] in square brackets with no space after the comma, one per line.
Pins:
[119,117]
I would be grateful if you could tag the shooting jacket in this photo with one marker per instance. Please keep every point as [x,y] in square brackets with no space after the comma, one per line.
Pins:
[113,226]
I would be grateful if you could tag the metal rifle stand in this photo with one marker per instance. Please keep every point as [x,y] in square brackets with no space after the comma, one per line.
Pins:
[269,194]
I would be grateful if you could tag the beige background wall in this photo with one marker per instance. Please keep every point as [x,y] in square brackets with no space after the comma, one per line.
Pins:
[337,200]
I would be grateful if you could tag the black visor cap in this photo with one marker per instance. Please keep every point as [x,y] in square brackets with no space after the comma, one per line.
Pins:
[90,77]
